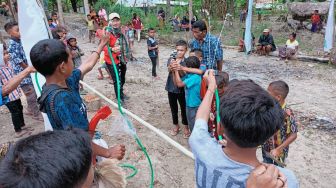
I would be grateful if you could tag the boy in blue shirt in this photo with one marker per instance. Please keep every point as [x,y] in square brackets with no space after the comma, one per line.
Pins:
[192,84]
[153,51]
[60,97]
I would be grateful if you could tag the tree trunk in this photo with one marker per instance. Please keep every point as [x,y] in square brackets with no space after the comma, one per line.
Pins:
[60,12]
[190,15]
[74,5]
[10,3]
[168,10]
[86,7]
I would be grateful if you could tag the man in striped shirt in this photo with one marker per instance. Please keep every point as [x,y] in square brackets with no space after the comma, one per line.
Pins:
[13,104]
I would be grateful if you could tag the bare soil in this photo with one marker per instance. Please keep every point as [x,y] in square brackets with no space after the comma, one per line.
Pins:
[312,97]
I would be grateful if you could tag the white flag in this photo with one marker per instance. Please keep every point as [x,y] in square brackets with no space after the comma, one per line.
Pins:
[329,35]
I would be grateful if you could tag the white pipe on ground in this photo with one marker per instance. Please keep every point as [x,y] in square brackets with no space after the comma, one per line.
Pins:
[149,126]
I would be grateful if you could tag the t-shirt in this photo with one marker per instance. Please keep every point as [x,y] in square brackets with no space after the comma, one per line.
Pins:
[170,86]
[151,42]
[214,169]
[192,89]
[68,105]
[3,100]
[136,23]
[293,44]
[90,25]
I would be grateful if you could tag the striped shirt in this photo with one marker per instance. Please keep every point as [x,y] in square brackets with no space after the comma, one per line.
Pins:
[6,73]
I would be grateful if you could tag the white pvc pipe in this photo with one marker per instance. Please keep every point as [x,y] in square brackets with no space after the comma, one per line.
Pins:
[149,126]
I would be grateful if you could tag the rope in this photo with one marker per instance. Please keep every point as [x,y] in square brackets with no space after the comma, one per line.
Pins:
[137,139]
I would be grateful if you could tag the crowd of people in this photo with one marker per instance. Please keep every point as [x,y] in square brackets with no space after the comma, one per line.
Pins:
[223,142]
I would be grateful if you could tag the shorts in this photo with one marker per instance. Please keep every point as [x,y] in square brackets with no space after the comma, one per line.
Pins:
[191,115]
[103,65]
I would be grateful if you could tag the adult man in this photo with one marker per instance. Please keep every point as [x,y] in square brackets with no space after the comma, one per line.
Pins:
[118,47]
[266,43]
[209,44]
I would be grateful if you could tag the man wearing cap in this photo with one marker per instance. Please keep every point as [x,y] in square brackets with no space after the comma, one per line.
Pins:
[265,43]
[119,50]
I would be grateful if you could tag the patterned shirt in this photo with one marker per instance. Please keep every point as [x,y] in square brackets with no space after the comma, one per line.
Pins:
[285,131]
[17,56]
[211,49]
[6,73]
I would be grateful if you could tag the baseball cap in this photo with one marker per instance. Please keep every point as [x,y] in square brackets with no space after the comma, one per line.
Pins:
[114,15]
[266,31]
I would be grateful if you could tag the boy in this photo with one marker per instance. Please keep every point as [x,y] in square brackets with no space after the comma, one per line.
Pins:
[90,25]
[278,144]
[130,35]
[199,54]
[249,116]
[60,97]
[39,161]
[153,50]
[14,104]
[18,62]
[192,84]
[51,24]
[316,20]
[76,54]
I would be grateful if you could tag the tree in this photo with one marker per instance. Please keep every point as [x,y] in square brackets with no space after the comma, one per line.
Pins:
[74,5]
[60,12]
[86,7]
[168,10]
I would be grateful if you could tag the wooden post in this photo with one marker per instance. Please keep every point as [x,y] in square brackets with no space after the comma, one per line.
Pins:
[60,12]
[190,16]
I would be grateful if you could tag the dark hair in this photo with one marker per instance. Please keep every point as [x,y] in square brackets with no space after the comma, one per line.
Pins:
[279,88]
[58,29]
[249,114]
[192,62]
[151,29]
[47,54]
[181,43]
[293,34]
[222,79]
[8,26]
[88,15]
[50,159]
[200,24]
[134,15]
[53,14]
[197,51]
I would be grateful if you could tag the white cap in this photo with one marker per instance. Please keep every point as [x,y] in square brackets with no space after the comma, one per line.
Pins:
[266,31]
[114,15]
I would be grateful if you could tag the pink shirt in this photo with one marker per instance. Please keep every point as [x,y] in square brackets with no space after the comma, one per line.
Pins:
[102,14]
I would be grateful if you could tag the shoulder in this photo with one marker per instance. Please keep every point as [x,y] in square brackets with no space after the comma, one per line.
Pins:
[75,77]
[291,178]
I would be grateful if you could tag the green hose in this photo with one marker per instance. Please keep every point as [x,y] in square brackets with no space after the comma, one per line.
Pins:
[128,122]
[37,83]
[217,112]
[135,171]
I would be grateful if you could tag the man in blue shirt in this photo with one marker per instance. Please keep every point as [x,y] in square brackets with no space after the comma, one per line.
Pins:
[209,44]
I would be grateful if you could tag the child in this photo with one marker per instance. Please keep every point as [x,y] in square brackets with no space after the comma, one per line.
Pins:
[91,28]
[278,144]
[51,24]
[14,104]
[76,54]
[100,31]
[175,94]
[130,37]
[18,62]
[249,116]
[49,159]
[103,66]
[153,50]
[60,98]
[199,54]
[192,84]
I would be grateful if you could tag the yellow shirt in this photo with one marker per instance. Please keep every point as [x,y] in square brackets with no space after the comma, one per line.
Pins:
[293,44]
[90,25]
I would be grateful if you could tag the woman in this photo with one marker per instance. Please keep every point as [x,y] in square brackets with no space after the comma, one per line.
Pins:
[137,25]
[291,48]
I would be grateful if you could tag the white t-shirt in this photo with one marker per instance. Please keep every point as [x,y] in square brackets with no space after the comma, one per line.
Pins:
[293,44]
[214,169]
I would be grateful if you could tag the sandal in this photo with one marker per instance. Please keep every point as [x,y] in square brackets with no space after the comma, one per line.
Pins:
[186,134]
[31,129]
[174,131]
[20,133]
[100,77]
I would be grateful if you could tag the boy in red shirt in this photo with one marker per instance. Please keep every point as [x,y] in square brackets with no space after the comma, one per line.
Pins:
[316,19]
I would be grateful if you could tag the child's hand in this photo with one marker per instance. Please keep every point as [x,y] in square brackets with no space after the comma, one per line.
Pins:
[276,152]
[117,152]
[116,49]
[31,69]
[105,38]
[209,76]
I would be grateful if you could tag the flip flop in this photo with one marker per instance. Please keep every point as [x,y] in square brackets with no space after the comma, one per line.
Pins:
[174,131]
[186,136]
[31,129]
[100,78]
[21,133]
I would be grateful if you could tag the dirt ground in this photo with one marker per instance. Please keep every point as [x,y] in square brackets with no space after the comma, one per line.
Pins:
[312,96]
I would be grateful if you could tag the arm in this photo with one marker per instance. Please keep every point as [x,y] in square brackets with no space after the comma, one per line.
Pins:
[266,176]
[153,48]
[219,56]
[204,109]
[23,65]
[179,82]
[88,65]
[16,80]
[220,65]
[192,70]
[117,152]
[277,151]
